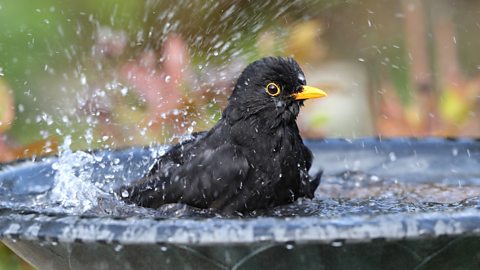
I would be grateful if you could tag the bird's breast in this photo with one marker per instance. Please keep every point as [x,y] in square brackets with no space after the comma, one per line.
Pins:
[274,150]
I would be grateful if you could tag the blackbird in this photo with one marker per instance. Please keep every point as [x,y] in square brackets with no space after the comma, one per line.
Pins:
[253,158]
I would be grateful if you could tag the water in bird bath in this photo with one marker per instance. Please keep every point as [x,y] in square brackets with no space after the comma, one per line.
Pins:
[167,53]
[79,182]
[83,183]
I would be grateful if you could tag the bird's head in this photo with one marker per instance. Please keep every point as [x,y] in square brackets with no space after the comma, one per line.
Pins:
[273,88]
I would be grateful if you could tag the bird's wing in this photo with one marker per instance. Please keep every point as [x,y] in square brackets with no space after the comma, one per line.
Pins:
[308,184]
[209,178]
[176,153]
[213,177]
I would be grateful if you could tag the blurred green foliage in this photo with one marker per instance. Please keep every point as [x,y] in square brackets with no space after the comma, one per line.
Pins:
[9,261]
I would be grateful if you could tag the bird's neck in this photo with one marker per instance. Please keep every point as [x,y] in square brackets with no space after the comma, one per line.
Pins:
[270,126]
[263,116]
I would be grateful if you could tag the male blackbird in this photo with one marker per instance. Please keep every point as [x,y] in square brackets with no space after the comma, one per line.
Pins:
[253,158]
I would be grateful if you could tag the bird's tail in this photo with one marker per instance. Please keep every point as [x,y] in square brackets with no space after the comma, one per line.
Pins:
[308,189]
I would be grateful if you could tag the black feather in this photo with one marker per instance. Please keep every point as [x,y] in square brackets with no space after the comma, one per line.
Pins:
[253,158]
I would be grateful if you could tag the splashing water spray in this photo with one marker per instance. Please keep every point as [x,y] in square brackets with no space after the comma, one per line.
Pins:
[73,189]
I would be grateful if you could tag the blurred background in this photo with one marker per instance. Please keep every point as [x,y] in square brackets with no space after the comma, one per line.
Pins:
[110,73]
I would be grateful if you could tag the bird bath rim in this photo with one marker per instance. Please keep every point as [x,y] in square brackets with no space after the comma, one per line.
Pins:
[53,227]
[129,231]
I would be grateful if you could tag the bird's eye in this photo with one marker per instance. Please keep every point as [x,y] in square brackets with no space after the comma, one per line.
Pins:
[272,89]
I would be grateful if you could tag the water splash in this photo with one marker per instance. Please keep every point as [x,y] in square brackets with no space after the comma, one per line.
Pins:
[73,189]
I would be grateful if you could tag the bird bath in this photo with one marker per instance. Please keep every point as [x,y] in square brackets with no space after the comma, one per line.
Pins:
[382,204]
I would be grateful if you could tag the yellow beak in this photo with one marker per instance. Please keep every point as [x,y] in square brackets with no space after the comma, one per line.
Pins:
[309,92]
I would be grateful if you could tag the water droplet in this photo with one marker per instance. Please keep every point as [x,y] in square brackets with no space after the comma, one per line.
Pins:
[118,248]
[55,166]
[47,119]
[83,79]
[168,78]
[290,245]
[337,243]
[89,136]
[124,91]
[125,194]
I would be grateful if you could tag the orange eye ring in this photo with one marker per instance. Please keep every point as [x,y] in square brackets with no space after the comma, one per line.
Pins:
[272,89]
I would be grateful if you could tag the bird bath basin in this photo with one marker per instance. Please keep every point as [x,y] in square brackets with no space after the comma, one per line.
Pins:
[382,204]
